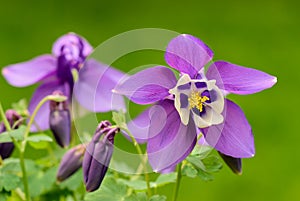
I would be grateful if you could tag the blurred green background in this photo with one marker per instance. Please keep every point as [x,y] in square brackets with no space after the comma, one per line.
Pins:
[260,34]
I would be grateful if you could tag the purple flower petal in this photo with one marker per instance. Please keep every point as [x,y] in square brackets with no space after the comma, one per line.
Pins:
[148,86]
[239,80]
[188,54]
[30,72]
[170,141]
[139,127]
[234,136]
[45,89]
[93,90]
[69,40]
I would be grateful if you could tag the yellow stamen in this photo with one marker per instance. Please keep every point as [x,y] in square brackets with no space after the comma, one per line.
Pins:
[196,100]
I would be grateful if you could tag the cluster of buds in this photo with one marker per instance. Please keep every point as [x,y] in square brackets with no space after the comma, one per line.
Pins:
[14,120]
[94,158]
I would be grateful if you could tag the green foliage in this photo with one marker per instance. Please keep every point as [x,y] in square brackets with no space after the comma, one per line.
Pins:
[39,137]
[202,163]
[140,185]
[72,183]
[9,182]
[164,179]
[120,119]
[110,190]
[158,198]
[119,190]
[21,107]
[17,134]
[39,141]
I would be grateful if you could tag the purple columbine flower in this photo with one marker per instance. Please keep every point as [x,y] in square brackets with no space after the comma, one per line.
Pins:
[71,162]
[54,72]
[98,154]
[60,121]
[195,102]
[13,118]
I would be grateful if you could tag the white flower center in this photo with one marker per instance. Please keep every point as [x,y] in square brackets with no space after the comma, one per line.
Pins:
[199,97]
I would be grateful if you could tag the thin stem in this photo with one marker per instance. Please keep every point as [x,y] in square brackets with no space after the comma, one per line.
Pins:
[5,121]
[139,150]
[25,180]
[7,126]
[31,120]
[23,147]
[178,180]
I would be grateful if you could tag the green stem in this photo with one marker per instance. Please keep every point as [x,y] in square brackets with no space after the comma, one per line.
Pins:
[7,126]
[139,150]
[5,121]
[178,180]
[31,120]
[23,147]
[24,173]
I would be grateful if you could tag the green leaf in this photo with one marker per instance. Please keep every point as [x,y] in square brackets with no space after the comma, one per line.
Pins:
[209,164]
[197,162]
[205,163]
[201,151]
[21,107]
[120,119]
[17,134]
[4,195]
[39,141]
[110,190]
[132,197]
[72,183]
[212,164]
[9,181]
[158,198]
[164,179]
[39,138]
[189,171]
[39,145]
[142,196]
[42,181]
[205,175]
[134,184]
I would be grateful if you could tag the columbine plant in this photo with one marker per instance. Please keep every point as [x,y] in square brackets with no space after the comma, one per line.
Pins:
[189,114]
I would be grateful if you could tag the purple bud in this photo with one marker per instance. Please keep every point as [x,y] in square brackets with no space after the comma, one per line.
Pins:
[71,162]
[235,164]
[60,121]
[13,118]
[97,157]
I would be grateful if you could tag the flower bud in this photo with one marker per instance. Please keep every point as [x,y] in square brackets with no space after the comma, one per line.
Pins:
[71,162]
[235,164]
[98,155]
[13,119]
[60,121]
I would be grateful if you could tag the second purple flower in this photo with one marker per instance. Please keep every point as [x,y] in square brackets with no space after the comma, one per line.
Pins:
[194,103]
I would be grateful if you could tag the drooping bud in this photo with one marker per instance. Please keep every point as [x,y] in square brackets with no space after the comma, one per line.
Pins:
[13,118]
[235,164]
[60,121]
[98,155]
[71,162]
